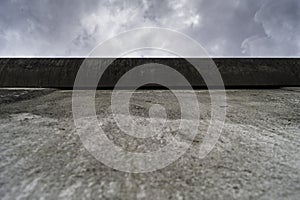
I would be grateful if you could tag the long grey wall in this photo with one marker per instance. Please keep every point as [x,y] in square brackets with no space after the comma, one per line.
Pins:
[236,72]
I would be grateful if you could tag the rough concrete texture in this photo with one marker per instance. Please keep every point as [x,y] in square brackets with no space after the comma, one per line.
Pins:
[256,157]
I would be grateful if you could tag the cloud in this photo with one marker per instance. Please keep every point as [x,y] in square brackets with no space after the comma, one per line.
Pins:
[223,28]
[280,20]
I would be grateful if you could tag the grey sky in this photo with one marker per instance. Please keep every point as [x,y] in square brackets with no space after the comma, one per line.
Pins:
[222,27]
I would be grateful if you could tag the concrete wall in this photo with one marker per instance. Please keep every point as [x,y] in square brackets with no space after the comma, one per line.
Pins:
[236,72]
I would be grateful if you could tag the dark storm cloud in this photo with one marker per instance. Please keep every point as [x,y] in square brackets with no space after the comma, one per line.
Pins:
[224,28]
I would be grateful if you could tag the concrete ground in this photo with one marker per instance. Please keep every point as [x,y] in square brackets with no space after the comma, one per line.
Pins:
[256,157]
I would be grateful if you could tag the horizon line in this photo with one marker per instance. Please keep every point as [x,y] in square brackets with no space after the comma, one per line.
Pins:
[5,57]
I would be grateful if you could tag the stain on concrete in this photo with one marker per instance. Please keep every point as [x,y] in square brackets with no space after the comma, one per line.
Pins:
[236,72]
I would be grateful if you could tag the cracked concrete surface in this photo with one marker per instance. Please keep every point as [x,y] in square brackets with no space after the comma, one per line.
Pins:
[256,157]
